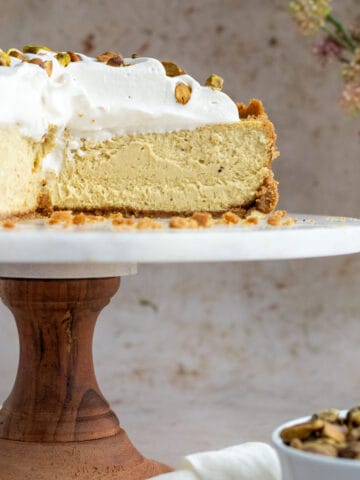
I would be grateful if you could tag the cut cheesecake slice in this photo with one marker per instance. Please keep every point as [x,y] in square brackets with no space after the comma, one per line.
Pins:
[129,136]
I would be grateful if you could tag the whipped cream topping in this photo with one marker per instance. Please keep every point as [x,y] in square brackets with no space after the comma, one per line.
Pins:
[96,101]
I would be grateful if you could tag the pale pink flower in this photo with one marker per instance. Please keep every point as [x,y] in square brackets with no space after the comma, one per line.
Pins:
[327,50]
[350,98]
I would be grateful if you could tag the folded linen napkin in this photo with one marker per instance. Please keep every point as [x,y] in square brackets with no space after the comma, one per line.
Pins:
[249,461]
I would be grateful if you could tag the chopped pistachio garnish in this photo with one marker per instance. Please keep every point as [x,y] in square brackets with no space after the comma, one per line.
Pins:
[172,70]
[5,60]
[14,52]
[74,57]
[327,433]
[105,57]
[182,93]
[36,61]
[35,49]
[116,61]
[215,82]
[63,58]
[48,67]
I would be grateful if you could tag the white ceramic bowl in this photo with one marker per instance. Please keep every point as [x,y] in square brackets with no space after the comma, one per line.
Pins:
[298,465]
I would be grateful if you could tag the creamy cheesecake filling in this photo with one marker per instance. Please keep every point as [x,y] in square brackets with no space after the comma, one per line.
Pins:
[210,168]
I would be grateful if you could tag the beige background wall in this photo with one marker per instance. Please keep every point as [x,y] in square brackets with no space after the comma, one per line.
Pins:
[202,356]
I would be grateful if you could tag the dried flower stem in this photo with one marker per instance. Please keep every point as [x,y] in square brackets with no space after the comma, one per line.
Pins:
[336,37]
[342,30]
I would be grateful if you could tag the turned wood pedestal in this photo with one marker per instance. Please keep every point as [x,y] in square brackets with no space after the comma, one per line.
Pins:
[56,424]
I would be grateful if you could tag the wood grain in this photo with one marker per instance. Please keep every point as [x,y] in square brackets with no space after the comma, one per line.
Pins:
[56,397]
[112,458]
[56,424]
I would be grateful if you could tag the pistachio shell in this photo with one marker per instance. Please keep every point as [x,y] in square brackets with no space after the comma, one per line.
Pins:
[330,415]
[302,431]
[320,448]
[333,432]
[353,417]
[351,451]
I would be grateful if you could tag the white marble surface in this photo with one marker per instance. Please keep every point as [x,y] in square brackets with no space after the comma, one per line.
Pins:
[37,250]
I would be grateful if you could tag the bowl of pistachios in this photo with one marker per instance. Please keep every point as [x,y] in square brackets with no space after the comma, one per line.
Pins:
[324,446]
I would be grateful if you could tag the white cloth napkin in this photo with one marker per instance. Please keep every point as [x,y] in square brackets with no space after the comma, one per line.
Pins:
[249,461]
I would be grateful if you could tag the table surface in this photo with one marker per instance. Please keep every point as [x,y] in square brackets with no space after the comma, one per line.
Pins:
[35,249]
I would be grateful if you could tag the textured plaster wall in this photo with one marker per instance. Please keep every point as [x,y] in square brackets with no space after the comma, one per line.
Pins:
[202,356]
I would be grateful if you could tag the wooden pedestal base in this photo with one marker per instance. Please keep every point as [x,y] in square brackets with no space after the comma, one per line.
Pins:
[113,458]
[56,424]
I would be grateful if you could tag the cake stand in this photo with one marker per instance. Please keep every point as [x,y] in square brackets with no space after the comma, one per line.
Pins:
[56,424]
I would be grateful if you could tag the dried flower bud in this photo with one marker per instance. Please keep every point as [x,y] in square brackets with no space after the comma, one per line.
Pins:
[351,71]
[327,50]
[309,15]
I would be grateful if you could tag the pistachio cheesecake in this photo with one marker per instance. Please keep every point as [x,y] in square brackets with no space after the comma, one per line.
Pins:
[132,135]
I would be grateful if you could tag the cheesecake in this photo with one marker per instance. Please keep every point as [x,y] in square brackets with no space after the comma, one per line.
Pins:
[130,135]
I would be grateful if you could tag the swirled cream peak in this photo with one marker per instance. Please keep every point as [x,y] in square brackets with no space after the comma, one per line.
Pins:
[98,101]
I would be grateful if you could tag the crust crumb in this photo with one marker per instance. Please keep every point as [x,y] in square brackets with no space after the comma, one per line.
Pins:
[9,223]
[251,220]
[62,216]
[79,219]
[82,218]
[267,195]
[203,219]
[254,109]
[230,218]
[276,218]
[44,204]
[147,223]
[280,219]
[289,222]
[182,222]
[118,220]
